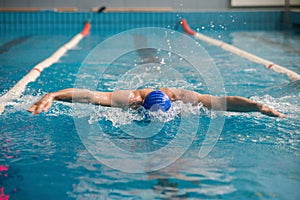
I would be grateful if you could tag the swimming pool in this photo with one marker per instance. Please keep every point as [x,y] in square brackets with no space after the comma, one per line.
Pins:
[255,156]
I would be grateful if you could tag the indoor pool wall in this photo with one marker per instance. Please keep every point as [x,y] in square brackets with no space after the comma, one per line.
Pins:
[62,23]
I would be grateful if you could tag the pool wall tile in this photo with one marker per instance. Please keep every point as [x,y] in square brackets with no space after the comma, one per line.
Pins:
[53,22]
[295,16]
[295,19]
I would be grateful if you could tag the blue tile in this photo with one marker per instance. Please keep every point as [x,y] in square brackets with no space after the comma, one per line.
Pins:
[44,22]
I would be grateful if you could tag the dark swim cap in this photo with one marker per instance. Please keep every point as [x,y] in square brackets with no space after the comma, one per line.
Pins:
[157,100]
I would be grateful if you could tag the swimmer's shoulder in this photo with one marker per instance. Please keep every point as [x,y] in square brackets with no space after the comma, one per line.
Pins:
[179,93]
[143,92]
[170,92]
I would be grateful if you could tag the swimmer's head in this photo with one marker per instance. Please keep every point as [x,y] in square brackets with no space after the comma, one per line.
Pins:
[157,100]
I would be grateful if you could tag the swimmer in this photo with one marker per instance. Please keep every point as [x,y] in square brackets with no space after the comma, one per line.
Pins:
[152,100]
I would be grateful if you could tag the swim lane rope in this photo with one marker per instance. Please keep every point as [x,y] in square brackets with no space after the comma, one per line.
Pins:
[16,91]
[293,76]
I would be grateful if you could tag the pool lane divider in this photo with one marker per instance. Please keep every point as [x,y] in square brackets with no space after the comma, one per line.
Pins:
[16,91]
[293,76]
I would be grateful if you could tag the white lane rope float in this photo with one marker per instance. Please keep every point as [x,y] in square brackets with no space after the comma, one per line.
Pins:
[293,76]
[16,91]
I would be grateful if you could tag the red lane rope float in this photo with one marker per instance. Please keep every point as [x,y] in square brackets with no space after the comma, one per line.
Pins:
[186,27]
[270,66]
[293,76]
[16,91]
[37,69]
[86,29]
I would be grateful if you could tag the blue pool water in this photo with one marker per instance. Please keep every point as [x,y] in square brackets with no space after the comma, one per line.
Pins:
[255,157]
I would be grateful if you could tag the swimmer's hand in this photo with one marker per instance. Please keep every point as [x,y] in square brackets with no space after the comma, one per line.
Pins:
[42,105]
[71,95]
[270,112]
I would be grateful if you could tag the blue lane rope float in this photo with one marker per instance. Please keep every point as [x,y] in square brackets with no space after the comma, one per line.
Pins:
[16,91]
[293,76]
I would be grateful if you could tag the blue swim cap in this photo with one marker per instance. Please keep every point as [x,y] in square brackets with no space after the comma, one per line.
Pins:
[157,100]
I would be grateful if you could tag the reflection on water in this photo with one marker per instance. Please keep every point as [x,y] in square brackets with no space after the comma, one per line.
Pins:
[187,177]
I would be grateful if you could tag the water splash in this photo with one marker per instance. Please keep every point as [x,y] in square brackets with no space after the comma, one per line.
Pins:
[120,117]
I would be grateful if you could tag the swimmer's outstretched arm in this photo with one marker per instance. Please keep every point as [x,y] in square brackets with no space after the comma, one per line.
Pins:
[118,98]
[228,103]
[236,104]
[71,95]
